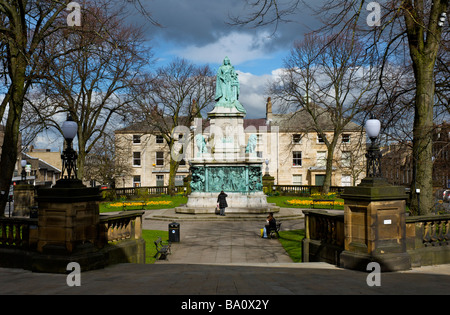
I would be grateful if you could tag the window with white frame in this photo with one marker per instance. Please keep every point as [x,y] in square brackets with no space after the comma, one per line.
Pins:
[346,158]
[159,180]
[320,139]
[296,138]
[296,158]
[159,159]
[159,139]
[297,180]
[179,180]
[345,138]
[137,180]
[136,158]
[346,180]
[321,158]
[136,139]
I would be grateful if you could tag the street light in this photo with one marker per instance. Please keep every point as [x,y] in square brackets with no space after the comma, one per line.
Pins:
[373,155]
[23,163]
[69,156]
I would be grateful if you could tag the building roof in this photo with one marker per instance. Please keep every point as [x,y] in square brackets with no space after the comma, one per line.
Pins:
[299,121]
[41,163]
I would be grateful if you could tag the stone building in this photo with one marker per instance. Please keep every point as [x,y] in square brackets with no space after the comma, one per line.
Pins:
[295,153]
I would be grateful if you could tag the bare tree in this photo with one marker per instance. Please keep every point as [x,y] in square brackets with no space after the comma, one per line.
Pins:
[173,97]
[330,83]
[107,161]
[93,84]
[25,28]
[401,25]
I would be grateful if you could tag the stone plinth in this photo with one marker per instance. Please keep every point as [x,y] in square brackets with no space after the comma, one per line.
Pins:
[23,200]
[205,203]
[68,227]
[374,226]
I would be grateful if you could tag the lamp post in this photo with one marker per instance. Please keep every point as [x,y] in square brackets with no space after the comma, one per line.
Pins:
[69,156]
[373,155]
[374,217]
[23,163]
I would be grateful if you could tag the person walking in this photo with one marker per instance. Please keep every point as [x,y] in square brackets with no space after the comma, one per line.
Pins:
[222,202]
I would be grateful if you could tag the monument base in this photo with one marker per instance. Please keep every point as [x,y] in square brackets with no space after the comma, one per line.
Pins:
[250,203]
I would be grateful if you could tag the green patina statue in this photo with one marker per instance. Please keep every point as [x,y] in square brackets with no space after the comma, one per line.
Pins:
[227,87]
[226,178]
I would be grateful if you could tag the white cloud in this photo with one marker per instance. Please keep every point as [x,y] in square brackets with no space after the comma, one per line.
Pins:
[239,47]
[254,92]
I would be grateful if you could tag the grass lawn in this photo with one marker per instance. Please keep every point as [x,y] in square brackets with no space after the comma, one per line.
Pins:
[162,202]
[292,243]
[150,236]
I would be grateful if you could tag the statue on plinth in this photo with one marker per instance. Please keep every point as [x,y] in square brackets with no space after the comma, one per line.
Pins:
[227,87]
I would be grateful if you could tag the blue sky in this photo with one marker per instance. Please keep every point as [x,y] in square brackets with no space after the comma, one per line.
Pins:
[199,31]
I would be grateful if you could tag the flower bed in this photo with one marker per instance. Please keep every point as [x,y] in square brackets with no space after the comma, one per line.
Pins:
[139,203]
[307,202]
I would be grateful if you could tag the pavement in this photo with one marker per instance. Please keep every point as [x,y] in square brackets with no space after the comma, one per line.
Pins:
[225,256]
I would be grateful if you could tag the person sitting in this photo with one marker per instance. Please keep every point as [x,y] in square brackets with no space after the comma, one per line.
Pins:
[270,226]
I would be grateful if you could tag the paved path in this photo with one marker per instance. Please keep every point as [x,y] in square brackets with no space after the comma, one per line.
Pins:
[224,240]
[226,257]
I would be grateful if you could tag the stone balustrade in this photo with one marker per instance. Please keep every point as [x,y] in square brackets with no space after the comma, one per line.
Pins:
[15,232]
[427,238]
[117,239]
[324,239]
[122,226]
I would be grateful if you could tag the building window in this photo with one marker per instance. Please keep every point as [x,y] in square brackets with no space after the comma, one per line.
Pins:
[346,180]
[259,154]
[320,139]
[296,138]
[321,158]
[297,180]
[137,180]
[179,180]
[346,158]
[159,180]
[136,139]
[159,158]
[297,158]
[345,138]
[159,139]
[259,139]
[136,158]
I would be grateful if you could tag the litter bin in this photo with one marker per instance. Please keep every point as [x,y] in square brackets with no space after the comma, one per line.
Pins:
[174,232]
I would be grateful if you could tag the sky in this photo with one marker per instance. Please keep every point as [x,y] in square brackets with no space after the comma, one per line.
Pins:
[200,31]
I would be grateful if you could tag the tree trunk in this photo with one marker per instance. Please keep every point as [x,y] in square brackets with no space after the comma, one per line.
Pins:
[173,171]
[422,203]
[12,135]
[423,45]
[329,164]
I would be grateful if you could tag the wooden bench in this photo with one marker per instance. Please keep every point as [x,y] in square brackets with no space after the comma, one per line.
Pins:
[273,233]
[161,250]
[331,202]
